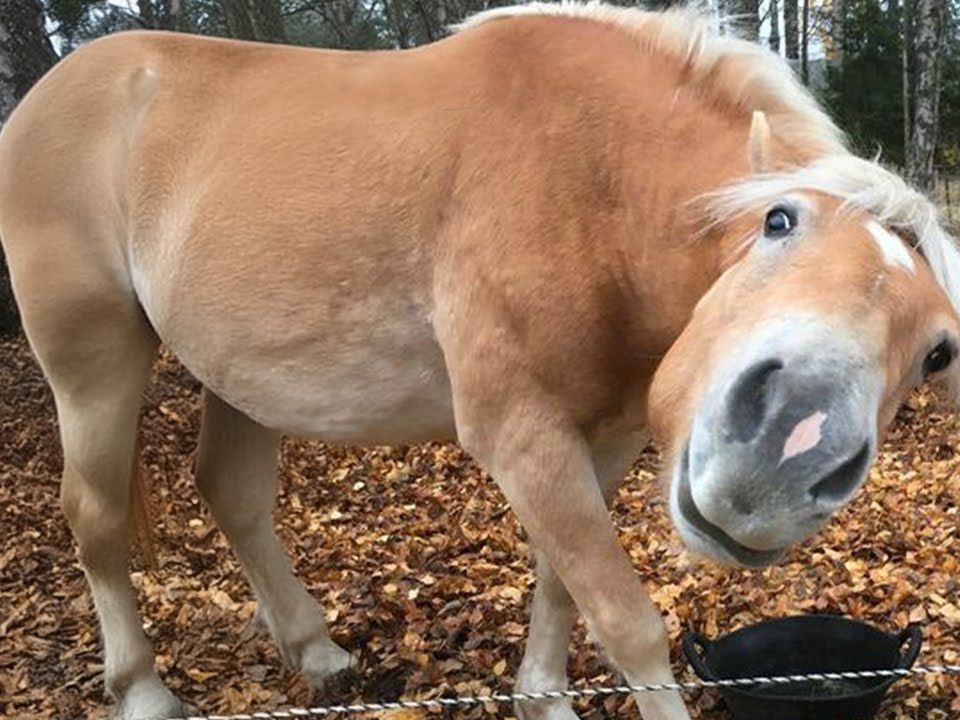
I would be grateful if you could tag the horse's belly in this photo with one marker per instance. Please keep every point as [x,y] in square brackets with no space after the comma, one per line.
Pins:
[382,395]
[365,371]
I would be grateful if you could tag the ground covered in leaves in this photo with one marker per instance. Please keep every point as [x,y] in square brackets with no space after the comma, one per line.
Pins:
[425,573]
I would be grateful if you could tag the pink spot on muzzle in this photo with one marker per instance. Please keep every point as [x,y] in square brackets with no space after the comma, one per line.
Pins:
[805,436]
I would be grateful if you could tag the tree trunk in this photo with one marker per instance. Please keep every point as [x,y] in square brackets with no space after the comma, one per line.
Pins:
[746,18]
[837,30]
[25,55]
[774,26]
[253,20]
[805,44]
[790,29]
[25,51]
[923,140]
[906,85]
[751,20]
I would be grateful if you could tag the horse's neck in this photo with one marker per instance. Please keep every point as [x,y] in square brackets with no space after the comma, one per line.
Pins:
[670,261]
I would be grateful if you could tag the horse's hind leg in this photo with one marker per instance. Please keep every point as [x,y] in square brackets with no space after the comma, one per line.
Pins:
[236,474]
[544,665]
[96,352]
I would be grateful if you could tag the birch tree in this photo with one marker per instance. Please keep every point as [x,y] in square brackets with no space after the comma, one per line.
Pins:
[925,78]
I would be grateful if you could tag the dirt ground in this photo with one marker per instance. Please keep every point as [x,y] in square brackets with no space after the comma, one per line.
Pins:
[425,573]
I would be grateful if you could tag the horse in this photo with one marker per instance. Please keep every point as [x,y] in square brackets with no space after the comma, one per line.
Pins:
[551,235]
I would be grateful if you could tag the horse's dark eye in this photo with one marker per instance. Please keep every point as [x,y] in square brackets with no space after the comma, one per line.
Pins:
[939,358]
[780,222]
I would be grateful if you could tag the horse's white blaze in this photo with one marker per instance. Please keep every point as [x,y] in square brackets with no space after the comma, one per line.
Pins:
[893,248]
[806,435]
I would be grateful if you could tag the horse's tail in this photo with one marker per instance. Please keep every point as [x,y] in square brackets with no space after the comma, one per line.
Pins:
[141,508]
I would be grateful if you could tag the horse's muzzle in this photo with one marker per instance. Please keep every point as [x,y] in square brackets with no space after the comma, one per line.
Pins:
[783,437]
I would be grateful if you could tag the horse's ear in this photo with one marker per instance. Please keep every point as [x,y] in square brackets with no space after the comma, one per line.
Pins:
[758,144]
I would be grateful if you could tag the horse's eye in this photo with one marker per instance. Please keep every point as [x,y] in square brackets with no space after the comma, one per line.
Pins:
[939,358]
[779,223]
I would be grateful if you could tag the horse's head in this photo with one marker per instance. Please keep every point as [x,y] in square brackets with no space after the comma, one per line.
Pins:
[773,400]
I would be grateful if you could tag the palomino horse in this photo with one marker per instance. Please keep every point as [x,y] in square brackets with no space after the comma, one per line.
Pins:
[533,236]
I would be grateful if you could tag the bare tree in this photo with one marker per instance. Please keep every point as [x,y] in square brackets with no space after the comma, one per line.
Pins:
[253,19]
[928,40]
[25,51]
[741,17]
[749,20]
[25,55]
[164,15]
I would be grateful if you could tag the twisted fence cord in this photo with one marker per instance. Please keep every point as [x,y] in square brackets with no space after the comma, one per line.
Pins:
[585,692]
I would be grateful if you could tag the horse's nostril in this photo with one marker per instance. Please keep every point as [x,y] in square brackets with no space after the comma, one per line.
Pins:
[748,400]
[836,486]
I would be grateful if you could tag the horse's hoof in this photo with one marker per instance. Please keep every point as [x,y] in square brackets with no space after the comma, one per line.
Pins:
[327,665]
[544,710]
[150,699]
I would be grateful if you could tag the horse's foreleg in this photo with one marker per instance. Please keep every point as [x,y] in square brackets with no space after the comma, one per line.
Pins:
[553,613]
[236,474]
[546,471]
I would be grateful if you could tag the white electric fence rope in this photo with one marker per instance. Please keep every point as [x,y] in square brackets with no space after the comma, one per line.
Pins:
[449,702]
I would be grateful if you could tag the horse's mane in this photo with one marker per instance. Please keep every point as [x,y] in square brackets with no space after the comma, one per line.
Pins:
[745,74]
[752,78]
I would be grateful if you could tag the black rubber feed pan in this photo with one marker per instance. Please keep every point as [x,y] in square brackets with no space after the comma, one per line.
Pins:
[800,645]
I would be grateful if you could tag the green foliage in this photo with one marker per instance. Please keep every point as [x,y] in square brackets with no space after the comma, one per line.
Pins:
[948,135]
[865,94]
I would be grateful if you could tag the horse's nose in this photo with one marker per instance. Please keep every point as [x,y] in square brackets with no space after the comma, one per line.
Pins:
[794,419]
[749,399]
[837,485]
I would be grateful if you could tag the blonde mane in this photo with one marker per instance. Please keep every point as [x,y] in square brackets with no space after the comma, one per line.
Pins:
[746,74]
[755,78]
